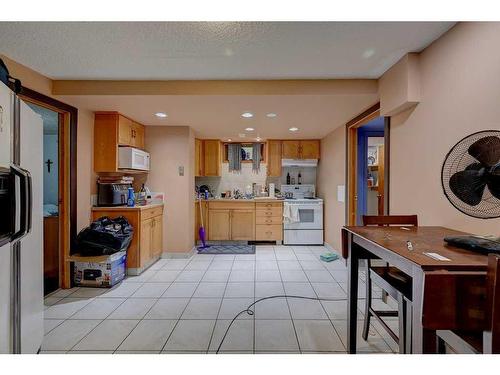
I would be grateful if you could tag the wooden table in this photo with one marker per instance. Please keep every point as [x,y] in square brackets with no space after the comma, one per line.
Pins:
[390,245]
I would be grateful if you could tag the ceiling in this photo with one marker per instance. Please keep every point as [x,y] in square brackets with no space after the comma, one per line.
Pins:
[219,116]
[214,50]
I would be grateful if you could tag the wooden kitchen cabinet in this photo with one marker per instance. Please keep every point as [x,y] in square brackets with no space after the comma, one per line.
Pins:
[112,130]
[304,149]
[269,221]
[243,225]
[220,224]
[212,157]
[231,221]
[274,158]
[147,243]
[198,157]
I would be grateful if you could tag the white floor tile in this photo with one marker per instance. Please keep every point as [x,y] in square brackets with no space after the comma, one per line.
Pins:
[266,289]
[66,307]
[191,335]
[180,290]
[216,276]
[230,307]
[63,292]
[67,334]
[88,292]
[242,275]
[164,276]
[221,265]
[299,289]
[289,265]
[202,308]
[49,301]
[338,309]
[312,265]
[50,324]
[329,290]
[175,264]
[375,342]
[133,308]
[318,336]
[265,256]
[306,256]
[275,308]
[167,308]
[198,265]
[293,276]
[151,290]
[239,338]
[267,275]
[275,335]
[107,336]
[210,290]
[136,352]
[243,265]
[235,290]
[143,277]
[190,276]
[122,290]
[322,276]
[280,255]
[306,309]
[149,335]
[266,265]
[99,308]
[340,276]
[90,352]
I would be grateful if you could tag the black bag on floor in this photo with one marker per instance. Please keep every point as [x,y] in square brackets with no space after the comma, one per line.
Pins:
[105,236]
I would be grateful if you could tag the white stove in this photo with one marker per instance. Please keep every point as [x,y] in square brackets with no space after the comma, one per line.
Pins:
[303,216]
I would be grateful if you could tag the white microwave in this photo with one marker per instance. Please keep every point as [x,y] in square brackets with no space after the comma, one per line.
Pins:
[133,158]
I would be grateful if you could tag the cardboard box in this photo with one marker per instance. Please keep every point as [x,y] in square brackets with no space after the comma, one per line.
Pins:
[102,272]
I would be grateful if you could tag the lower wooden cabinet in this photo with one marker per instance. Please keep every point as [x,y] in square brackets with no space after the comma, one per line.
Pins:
[220,225]
[147,243]
[269,221]
[243,225]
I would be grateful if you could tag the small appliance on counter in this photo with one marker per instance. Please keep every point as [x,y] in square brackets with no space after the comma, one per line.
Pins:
[112,194]
[133,158]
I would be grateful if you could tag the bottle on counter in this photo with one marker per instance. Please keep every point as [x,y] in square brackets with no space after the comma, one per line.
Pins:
[131,197]
[299,179]
[288,178]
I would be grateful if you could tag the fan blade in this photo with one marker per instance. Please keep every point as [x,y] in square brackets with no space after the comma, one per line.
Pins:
[474,167]
[486,150]
[468,186]
[494,182]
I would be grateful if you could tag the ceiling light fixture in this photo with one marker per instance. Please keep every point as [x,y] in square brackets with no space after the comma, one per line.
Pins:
[271,115]
[161,114]
[258,139]
[247,114]
[249,129]
[229,140]
[294,129]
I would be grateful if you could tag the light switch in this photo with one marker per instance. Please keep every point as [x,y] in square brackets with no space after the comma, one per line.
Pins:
[181,170]
[341,193]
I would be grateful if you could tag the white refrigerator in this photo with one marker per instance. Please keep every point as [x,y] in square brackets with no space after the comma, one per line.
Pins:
[21,225]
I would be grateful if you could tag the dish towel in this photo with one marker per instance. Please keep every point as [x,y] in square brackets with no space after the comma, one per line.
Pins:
[291,214]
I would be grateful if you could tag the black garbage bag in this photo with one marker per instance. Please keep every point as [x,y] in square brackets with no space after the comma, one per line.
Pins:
[105,236]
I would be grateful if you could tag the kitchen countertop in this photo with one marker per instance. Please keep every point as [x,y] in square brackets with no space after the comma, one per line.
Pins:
[122,208]
[253,200]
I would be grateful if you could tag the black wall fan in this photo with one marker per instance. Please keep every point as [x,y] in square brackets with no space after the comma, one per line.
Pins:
[471,175]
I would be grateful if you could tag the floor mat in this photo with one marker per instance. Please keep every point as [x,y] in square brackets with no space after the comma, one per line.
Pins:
[228,249]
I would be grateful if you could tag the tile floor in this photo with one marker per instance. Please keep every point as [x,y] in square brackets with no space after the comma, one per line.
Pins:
[185,306]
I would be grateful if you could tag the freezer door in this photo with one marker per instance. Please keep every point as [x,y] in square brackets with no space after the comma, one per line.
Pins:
[31,135]
[6,103]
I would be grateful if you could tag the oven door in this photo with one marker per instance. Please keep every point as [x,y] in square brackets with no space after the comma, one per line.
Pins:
[310,216]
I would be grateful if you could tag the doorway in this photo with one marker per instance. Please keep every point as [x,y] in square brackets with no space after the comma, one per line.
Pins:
[367,165]
[51,219]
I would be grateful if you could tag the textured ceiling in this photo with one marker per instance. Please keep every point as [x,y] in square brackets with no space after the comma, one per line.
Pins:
[219,116]
[214,50]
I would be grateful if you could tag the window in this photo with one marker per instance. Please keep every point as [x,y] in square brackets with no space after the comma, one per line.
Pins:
[247,152]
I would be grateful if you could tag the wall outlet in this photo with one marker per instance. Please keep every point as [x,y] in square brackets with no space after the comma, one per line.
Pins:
[181,170]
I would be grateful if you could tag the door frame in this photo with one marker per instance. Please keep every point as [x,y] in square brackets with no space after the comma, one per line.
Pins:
[351,139]
[68,118]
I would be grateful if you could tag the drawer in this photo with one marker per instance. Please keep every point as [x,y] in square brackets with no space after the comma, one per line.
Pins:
[269,232]
[151,212]
[268,205]
[231,205]
[272,211]
[268,220]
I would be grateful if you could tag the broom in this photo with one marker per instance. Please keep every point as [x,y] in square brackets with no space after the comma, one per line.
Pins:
[201,232]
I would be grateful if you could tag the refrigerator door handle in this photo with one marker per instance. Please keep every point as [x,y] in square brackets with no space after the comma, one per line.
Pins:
[25,202]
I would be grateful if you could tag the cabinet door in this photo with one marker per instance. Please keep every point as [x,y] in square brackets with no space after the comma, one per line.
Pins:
[137,135]
[309,149]
[157,236]
[212,157]
[290,150]
[219,225]
[124,131]
[274,158]
[243,225]
[146,239]
[198,158]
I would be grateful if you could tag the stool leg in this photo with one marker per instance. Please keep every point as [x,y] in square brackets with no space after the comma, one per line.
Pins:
[368,301]
[409,330]
[441,347]
[402,320]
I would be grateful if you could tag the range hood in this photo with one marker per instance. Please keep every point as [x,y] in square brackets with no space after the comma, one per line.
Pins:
[299,162]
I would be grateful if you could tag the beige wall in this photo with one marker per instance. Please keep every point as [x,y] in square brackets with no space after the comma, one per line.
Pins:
[171,147]
[85,176]
[460,94]
[331,173]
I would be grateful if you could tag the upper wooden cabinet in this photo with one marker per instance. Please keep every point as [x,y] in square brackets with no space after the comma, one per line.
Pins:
[198,157]
[111,130]
[210,159]
[274,158]
[304,149]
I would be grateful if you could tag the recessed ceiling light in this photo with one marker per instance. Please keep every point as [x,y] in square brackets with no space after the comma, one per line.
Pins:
[247,114]
[161,114]
[293,129]
[229,139]
[249,129]
[258,139]
[271,115]
[368,53]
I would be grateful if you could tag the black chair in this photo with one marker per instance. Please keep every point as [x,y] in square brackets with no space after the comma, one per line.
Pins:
[395,283]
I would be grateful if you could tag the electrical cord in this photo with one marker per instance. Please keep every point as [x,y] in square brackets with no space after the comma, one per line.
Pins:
[249,310]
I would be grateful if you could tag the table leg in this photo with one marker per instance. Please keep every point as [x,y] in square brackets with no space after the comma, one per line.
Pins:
[352,300]
[423,340]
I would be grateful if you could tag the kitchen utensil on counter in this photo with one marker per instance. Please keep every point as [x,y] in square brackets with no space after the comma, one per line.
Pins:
[201,232]
[271,190]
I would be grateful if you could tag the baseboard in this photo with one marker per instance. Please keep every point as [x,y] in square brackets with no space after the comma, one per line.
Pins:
[179,255]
